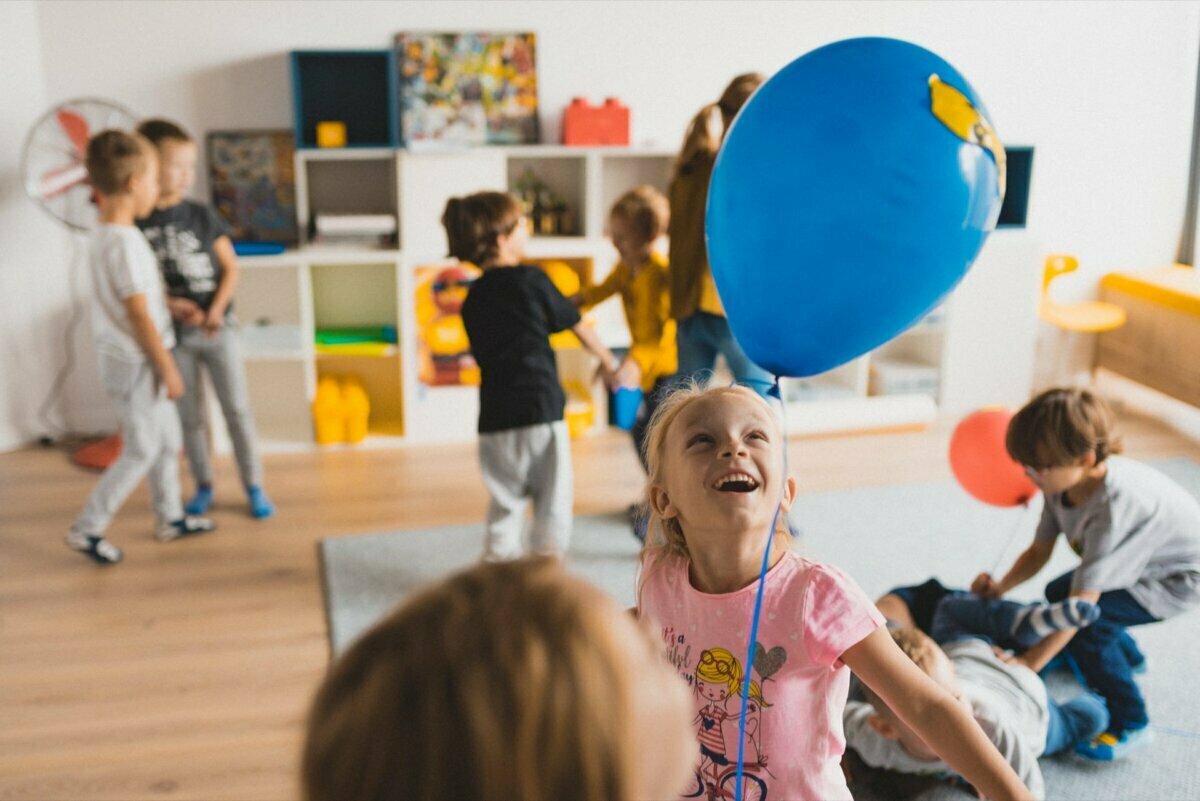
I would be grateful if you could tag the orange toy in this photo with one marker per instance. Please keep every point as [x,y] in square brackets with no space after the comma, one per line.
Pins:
[585,124]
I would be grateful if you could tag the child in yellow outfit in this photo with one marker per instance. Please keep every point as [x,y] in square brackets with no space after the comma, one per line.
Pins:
[636,221]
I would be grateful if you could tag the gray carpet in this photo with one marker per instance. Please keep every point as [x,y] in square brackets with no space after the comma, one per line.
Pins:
[882,537]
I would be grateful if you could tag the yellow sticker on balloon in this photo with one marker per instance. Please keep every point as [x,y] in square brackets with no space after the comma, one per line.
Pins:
[957,113]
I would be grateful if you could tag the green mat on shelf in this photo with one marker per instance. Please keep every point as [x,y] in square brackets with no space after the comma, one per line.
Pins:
[344,336]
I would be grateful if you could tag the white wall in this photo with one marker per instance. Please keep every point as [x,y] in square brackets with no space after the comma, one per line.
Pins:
[35,297]
[1104,90]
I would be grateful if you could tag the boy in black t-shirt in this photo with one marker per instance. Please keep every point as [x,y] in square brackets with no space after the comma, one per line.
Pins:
[200,271]
[510,313]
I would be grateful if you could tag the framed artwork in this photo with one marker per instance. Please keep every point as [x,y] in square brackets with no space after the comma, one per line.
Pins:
[253,183]
[460,89]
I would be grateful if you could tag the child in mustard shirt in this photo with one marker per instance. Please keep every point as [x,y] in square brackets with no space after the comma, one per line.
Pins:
[636,221]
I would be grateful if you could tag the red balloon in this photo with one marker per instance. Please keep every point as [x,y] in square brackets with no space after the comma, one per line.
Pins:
[981,463]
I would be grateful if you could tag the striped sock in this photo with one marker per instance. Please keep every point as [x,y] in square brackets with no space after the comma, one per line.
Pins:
[1035,621]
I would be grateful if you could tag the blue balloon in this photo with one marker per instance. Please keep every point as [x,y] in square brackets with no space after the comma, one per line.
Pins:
[841,209]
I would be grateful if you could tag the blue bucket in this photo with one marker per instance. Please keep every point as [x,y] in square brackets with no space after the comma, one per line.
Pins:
[626,402]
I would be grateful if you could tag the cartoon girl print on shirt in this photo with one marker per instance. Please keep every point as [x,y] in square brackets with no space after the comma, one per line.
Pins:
[718,676]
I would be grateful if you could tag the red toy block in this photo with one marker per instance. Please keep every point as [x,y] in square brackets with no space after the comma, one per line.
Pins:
[585,124]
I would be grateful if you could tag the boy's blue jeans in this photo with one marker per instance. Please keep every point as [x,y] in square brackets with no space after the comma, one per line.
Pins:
[701,337]
[1106,654]
[947,615]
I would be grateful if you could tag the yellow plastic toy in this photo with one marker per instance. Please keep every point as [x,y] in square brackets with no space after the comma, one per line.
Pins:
[579,413]
[331,133]
[329,426]
[356,410]
[341,410]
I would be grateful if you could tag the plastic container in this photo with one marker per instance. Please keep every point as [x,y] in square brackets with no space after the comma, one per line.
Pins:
[329,425]
[356,410]
[626,402]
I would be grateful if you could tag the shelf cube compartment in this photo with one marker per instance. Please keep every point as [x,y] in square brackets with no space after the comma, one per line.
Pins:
[354,87]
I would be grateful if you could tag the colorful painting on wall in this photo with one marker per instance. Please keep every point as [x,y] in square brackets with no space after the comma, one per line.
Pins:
[443,351]
[459,89]
[253,183]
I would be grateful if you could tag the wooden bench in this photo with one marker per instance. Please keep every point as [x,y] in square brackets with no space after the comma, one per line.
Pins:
[1159,345]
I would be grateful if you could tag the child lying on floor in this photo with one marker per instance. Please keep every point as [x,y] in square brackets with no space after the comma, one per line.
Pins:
[1008,700]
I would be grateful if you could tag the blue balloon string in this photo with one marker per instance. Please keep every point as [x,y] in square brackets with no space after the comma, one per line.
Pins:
[776,393]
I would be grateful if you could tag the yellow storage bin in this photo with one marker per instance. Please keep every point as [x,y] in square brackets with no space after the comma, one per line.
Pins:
[341,411]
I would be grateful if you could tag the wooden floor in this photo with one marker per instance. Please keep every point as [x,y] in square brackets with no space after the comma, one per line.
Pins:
[185,671]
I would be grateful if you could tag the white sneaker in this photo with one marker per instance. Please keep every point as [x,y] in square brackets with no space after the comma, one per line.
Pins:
[185,526]
[97,548]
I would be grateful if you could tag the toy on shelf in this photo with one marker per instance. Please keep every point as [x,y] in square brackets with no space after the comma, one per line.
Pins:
[341,410]
[356,410]
[585,124]
[331,133]
[547,213]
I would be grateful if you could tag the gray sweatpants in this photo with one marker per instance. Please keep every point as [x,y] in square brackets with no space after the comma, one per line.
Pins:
[150,442]
[222,357]
[528,462]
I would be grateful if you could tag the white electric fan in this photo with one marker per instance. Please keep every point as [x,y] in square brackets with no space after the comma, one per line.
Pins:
[52,161]
[54,174]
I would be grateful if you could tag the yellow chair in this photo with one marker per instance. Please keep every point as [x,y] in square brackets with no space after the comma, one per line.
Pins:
[1082,317]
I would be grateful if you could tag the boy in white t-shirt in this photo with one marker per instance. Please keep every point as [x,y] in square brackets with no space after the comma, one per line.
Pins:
[132,331]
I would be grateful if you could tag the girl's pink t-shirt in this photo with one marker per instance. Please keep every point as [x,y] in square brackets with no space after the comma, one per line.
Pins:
[812,613]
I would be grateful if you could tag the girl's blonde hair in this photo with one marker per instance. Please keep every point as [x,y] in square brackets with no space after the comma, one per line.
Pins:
[505,681]
[664,535]
[720,666]
[475,223]
[707,129]
[1059,426]
[645,210]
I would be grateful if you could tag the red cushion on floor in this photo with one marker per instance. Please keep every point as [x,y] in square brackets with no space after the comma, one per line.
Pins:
[98,455]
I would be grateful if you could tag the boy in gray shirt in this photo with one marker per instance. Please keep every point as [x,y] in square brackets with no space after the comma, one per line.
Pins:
[1138,537]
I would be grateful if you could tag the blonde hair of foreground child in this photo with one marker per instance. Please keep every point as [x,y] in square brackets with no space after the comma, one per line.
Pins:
[510,680]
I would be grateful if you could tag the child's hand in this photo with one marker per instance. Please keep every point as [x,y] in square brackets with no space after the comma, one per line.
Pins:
[173,382]
[986,587]
[607,374]
[213,321]
[628,375]
[185,311]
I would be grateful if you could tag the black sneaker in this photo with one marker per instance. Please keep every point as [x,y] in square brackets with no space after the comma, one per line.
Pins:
[185,526]
[98,549]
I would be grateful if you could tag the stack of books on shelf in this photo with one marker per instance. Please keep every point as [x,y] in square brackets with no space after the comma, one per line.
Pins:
[353,230]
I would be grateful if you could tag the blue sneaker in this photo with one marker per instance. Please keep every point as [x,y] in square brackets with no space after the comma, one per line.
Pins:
[1109,747]
[201,502]
[260,505]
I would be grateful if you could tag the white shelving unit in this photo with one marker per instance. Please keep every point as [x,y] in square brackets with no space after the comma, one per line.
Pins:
[975,345]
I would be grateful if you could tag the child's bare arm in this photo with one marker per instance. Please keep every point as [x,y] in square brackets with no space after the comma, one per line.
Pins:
[590,340]
[151,343]
[223,247]
[937,717]
[1027,565]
